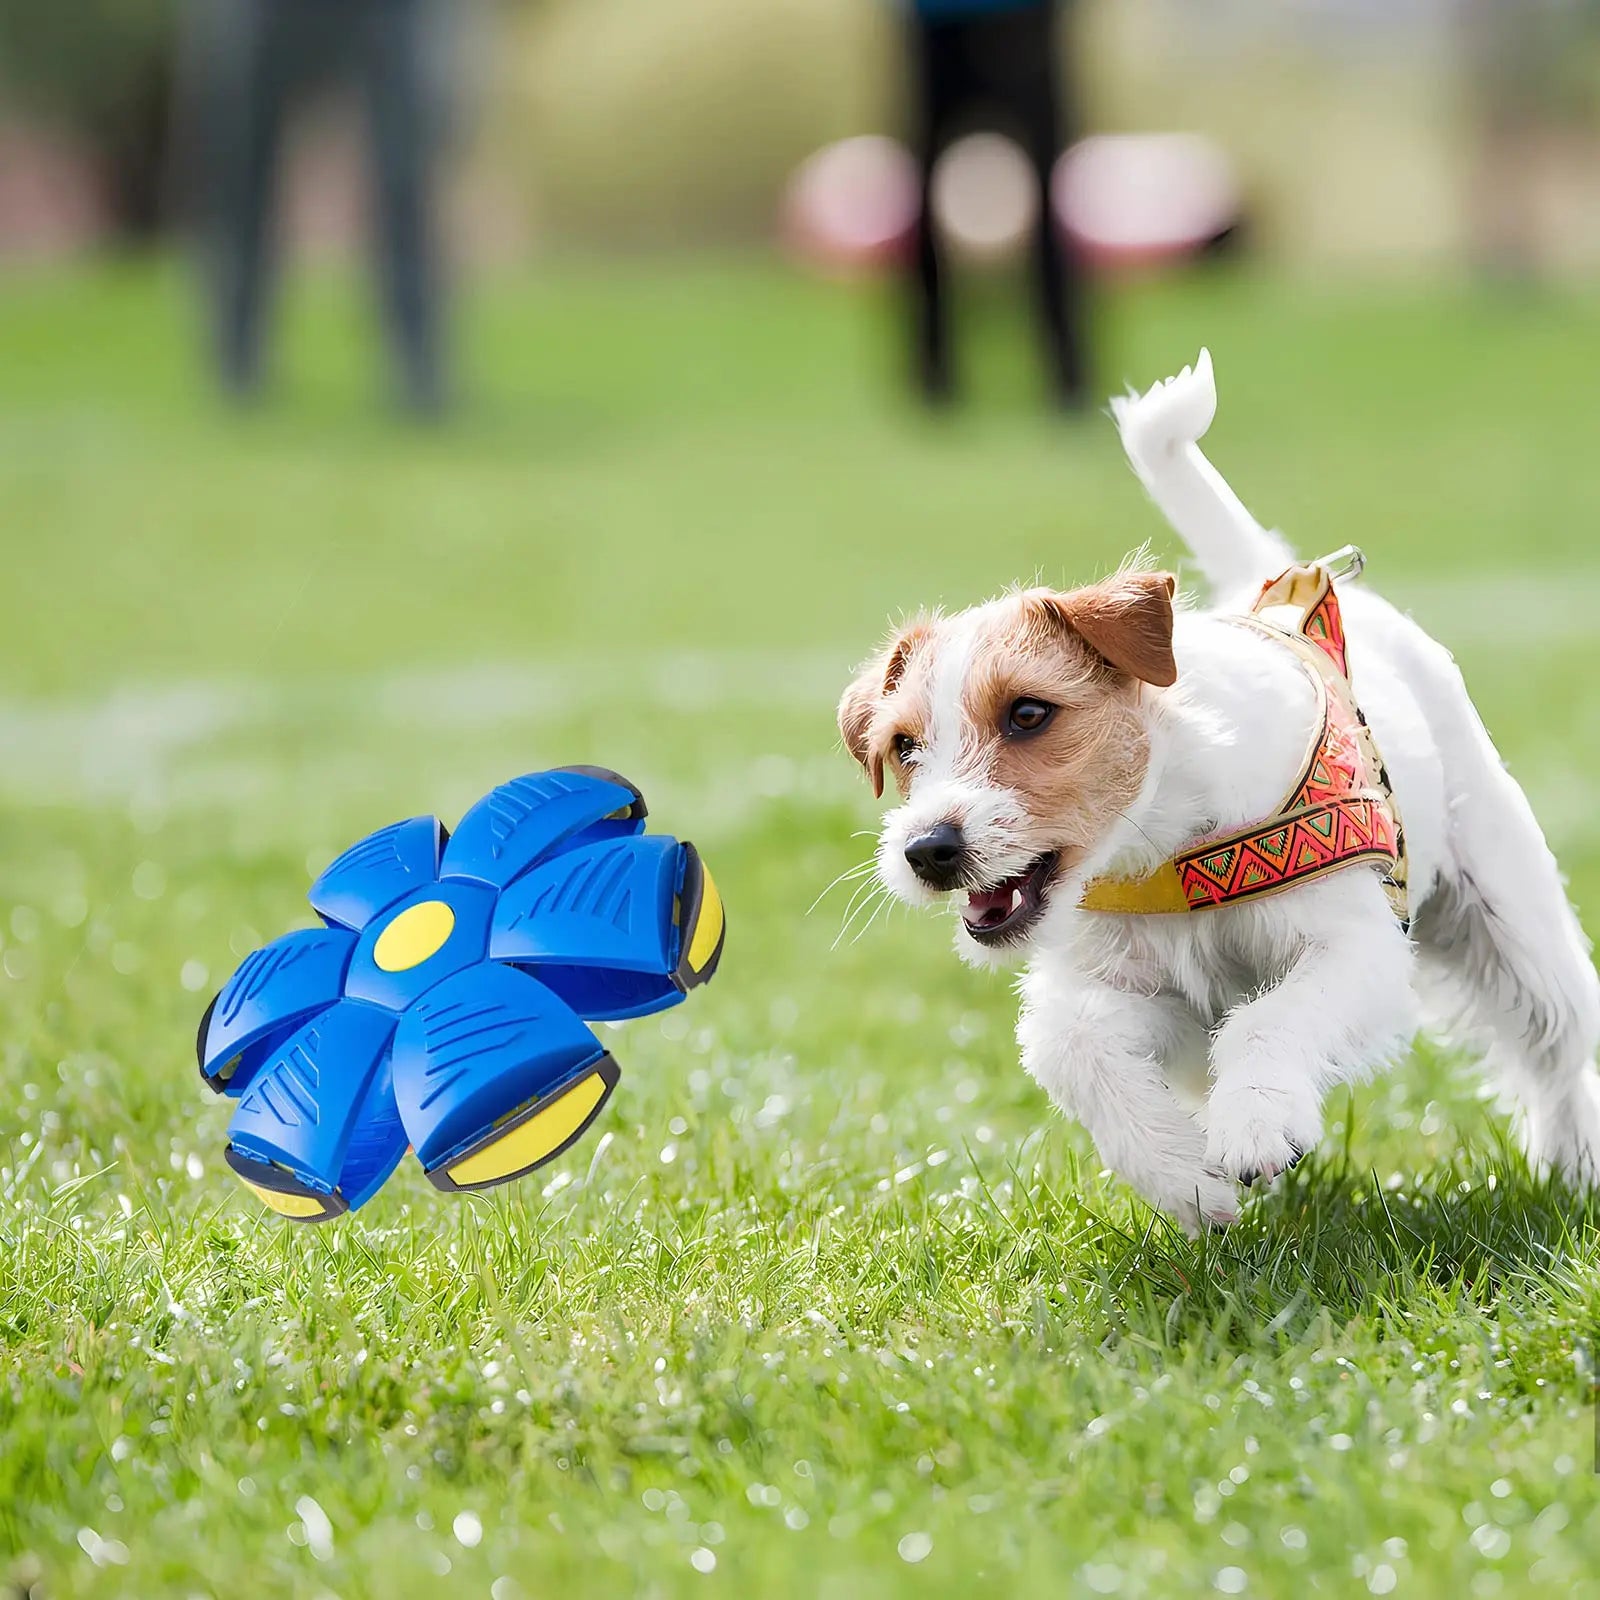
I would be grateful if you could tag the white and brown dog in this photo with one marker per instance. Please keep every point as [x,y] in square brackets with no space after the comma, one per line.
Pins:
[1049,741]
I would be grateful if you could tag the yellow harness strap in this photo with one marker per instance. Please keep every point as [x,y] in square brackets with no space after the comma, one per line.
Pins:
[1341,809]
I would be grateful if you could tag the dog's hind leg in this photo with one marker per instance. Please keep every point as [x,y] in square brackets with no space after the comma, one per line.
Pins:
[1503,961]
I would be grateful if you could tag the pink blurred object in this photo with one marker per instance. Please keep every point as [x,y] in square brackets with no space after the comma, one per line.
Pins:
[1141,199]
[53,203]
[852,206]
[985,198]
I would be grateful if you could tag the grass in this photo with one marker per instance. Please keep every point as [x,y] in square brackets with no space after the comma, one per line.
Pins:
[835,1305]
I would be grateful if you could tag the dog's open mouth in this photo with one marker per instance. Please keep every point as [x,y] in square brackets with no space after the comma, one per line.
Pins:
[1007,910]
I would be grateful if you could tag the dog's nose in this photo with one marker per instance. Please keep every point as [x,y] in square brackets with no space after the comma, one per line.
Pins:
[936,856]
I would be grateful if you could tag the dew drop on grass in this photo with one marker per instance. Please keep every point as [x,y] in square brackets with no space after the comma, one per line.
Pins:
[467,1529]
[1490,1542]
[317,1529]
[149,880]
[71,909]
[1230,1580]
[703,1560]
[915,1547]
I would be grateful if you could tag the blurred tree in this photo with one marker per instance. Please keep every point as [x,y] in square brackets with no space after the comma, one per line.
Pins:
[102,71]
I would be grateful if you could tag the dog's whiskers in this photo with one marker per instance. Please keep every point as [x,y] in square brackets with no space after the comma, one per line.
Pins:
[1137,829]
[862,896]
[885,907]
[860,869]
[876,898]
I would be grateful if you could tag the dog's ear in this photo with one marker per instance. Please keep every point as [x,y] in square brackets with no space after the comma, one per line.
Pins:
[1127,619]
[859,704]
[857,707]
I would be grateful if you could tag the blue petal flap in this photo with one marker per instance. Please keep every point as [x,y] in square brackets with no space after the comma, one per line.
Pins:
[607,905]
[512,826]
[386,866]
[478,1047]
[274,990]
[302,1107]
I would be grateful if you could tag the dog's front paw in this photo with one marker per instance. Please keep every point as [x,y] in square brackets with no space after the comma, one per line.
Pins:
[1255,1133]
[1201,1199]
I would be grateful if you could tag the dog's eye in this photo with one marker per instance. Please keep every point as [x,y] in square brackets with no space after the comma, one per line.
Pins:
[1028,715]
[904,746]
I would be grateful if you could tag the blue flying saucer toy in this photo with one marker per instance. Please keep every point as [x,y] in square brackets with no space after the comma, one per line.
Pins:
[443,1004]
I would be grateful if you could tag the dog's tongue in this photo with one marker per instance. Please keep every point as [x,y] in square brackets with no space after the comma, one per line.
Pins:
[989,905]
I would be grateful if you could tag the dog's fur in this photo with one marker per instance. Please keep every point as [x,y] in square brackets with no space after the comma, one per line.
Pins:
[1197,1048]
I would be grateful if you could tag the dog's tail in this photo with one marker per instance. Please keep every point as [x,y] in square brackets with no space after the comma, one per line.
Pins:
[1160,430]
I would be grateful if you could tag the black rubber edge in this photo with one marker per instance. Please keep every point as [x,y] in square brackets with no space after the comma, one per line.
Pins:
[266,1176]
[213,1084]
[637,810]
[439,1175]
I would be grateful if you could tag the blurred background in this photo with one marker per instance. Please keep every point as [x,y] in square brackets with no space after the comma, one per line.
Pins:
[1406,132]
[395,397]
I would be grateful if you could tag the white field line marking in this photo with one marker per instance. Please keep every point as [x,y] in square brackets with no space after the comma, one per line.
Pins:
[186,747]
[155,747]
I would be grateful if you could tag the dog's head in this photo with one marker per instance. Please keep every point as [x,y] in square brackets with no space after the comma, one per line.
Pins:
[1014,735]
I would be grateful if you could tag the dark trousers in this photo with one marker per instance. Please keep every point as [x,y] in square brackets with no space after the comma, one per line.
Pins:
[995,70]
[257,58]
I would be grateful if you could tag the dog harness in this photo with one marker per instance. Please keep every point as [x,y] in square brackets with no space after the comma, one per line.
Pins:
[1341,810]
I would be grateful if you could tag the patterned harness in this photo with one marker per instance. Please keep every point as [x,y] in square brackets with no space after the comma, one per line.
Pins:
[1341,809]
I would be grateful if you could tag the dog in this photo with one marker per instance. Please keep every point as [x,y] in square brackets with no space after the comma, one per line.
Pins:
[1048,743]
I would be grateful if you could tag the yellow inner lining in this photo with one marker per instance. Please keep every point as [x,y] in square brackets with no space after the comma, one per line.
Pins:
[535,1140]
[709,928]
[288,1205]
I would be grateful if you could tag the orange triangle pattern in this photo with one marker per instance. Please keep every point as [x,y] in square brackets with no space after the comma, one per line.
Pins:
[1324,626]
[1350,828]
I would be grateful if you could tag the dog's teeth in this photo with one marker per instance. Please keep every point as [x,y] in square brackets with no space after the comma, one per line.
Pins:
[1016,900]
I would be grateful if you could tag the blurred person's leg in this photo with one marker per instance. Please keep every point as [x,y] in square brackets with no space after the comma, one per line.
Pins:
[403,120]
[1022,63]
[250,68]
[940,93]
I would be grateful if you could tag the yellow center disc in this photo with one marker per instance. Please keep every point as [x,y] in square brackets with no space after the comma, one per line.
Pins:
[413,936]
